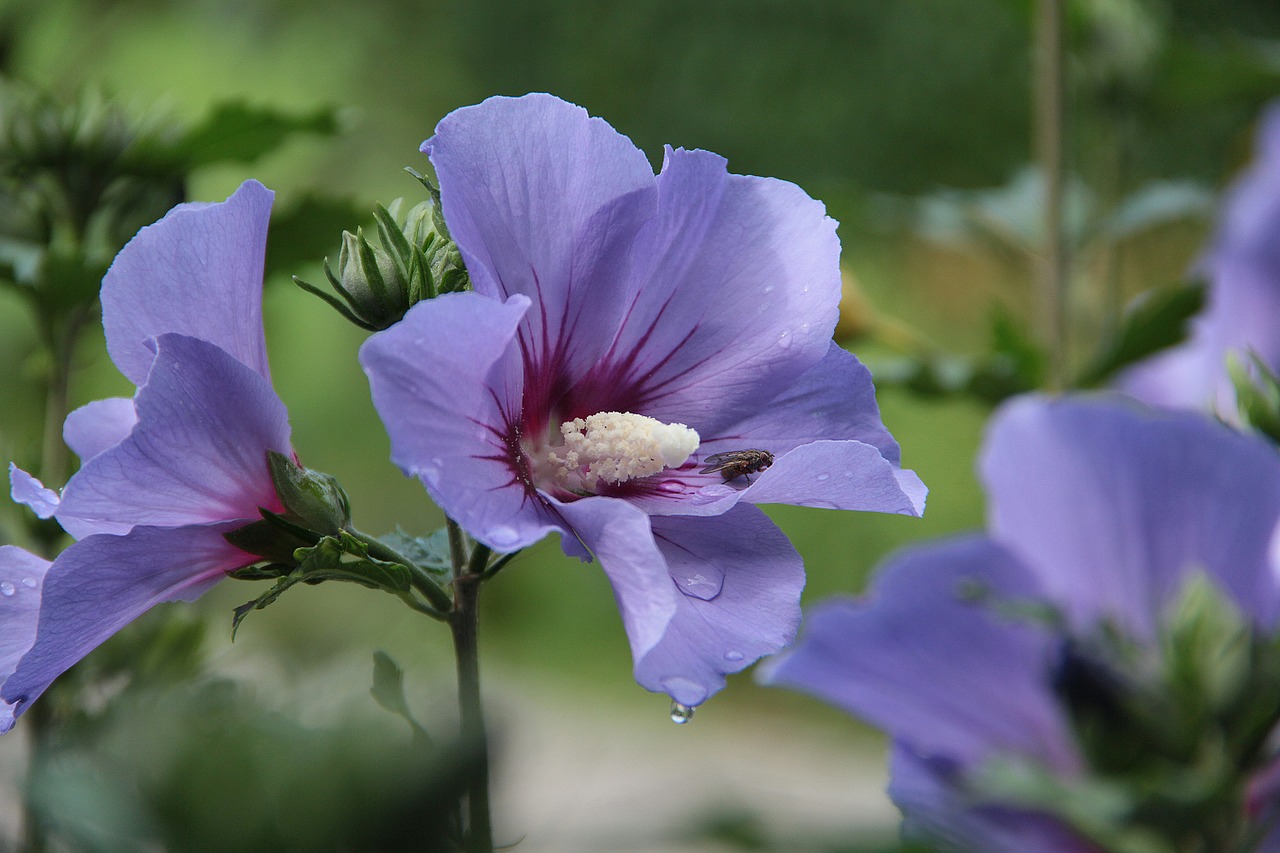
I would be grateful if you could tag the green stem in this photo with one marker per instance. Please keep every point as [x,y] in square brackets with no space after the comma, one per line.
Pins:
[464,622]
[1050,97]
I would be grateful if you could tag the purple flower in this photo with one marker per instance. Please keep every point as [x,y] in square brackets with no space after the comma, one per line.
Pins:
[165,474]
[21,575]
[1242,267]
[1102,511]
[625,329]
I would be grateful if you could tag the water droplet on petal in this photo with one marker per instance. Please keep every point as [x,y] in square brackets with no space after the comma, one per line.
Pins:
[29,583]
[734,656]
[822,477]
[681,714]
[784,339]
[768,288]
[503,536]
[6,589]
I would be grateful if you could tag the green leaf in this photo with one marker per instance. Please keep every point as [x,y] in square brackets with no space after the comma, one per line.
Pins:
[1016,365]
[333,558]
[1154,322]
[1158,203]
[431,552]
[238,132]
[307,230]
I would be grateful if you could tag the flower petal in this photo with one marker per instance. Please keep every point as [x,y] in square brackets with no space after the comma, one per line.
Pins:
[827,474]
[198,272]
[1243,314]
[102,424]
[734,296]
[545,201]
[937,809]
[834,400]
[30,492]
[21,575]
[619,536]
[440,383]
[754,613]
[940,672]
[102,583]
[198,453]
[839,475]
[1112,505]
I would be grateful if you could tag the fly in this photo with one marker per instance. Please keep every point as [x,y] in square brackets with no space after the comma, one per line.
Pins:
[738,463]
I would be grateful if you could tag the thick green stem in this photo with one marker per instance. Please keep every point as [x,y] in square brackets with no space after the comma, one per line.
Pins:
[1050,127]
[463,620]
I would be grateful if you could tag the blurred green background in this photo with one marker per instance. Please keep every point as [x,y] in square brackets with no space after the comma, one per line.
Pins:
[876,108]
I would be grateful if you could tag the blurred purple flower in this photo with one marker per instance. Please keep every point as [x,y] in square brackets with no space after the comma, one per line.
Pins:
[689,313]
[20,577]
[165,474]
[1242,267]
[1103,511]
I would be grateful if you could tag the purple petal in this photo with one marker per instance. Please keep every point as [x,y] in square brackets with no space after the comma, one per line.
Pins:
[937,808]
[839,475]
[102,424]
[1113,505]
[440,383]
[197,272]
[620,537]
[833,400]
[102,583]
[734,296]
[21,575]
[754,612]
[1243,314]
[198,453]
[827,474]
[27,490]
[936,670]
[545,201]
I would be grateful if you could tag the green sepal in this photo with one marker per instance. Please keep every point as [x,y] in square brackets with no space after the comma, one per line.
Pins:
[1257,394]
[312,499]
[270,539]
[1154,322]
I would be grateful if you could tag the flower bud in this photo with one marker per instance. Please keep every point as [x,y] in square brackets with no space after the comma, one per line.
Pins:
[415,261]
[376,288]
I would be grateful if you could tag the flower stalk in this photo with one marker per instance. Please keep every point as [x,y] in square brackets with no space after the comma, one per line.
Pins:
[463,621]
[1050,128]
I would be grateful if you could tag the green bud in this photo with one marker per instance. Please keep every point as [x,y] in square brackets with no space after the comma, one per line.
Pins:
[375,286]
[315,506]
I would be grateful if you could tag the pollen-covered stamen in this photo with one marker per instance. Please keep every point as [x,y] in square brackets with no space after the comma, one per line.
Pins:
[617,446]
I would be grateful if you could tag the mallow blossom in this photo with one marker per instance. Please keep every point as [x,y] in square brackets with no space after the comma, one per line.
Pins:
[1101,513]
[1242,269]
[623,330]
[167,472]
